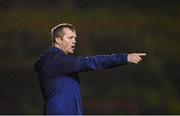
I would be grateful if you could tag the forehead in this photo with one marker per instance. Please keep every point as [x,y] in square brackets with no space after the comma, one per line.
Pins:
[70,32]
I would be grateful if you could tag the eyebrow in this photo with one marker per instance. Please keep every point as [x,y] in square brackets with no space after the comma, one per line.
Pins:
[73,36]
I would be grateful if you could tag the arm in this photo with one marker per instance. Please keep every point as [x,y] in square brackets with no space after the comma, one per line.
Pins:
[102,62]
[66,64]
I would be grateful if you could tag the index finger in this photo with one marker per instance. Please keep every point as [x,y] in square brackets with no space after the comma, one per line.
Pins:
[141,54]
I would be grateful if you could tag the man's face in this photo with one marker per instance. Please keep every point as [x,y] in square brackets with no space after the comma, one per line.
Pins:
[68,41]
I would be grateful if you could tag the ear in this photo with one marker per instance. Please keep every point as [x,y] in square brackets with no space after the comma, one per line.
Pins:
[58,40]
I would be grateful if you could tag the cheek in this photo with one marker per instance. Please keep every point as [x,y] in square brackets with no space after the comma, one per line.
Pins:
[67,45]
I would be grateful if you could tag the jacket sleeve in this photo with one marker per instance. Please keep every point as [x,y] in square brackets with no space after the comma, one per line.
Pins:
[68,64]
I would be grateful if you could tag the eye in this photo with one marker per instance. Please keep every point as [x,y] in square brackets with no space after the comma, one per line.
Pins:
[72,37]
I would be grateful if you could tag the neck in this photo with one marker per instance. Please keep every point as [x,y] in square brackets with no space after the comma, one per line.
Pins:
[58,46]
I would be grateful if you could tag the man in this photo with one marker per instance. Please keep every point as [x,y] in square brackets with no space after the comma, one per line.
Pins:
[58,71]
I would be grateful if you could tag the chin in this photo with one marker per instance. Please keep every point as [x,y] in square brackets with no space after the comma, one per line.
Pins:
[71,52]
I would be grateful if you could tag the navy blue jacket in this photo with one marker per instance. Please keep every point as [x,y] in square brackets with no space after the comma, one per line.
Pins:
[59,80]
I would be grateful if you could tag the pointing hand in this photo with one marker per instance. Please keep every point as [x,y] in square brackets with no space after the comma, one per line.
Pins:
[135,57]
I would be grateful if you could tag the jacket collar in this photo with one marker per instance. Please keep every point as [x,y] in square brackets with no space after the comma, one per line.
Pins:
[55,49]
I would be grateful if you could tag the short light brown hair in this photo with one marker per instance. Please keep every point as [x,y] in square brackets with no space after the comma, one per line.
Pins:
[58,31]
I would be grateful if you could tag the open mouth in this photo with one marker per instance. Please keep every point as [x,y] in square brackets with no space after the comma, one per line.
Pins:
[73,47]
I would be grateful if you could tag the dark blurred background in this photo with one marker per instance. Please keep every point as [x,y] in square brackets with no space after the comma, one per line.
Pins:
[103,27]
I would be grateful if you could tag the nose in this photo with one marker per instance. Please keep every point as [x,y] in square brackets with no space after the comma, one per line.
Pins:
[74,40]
